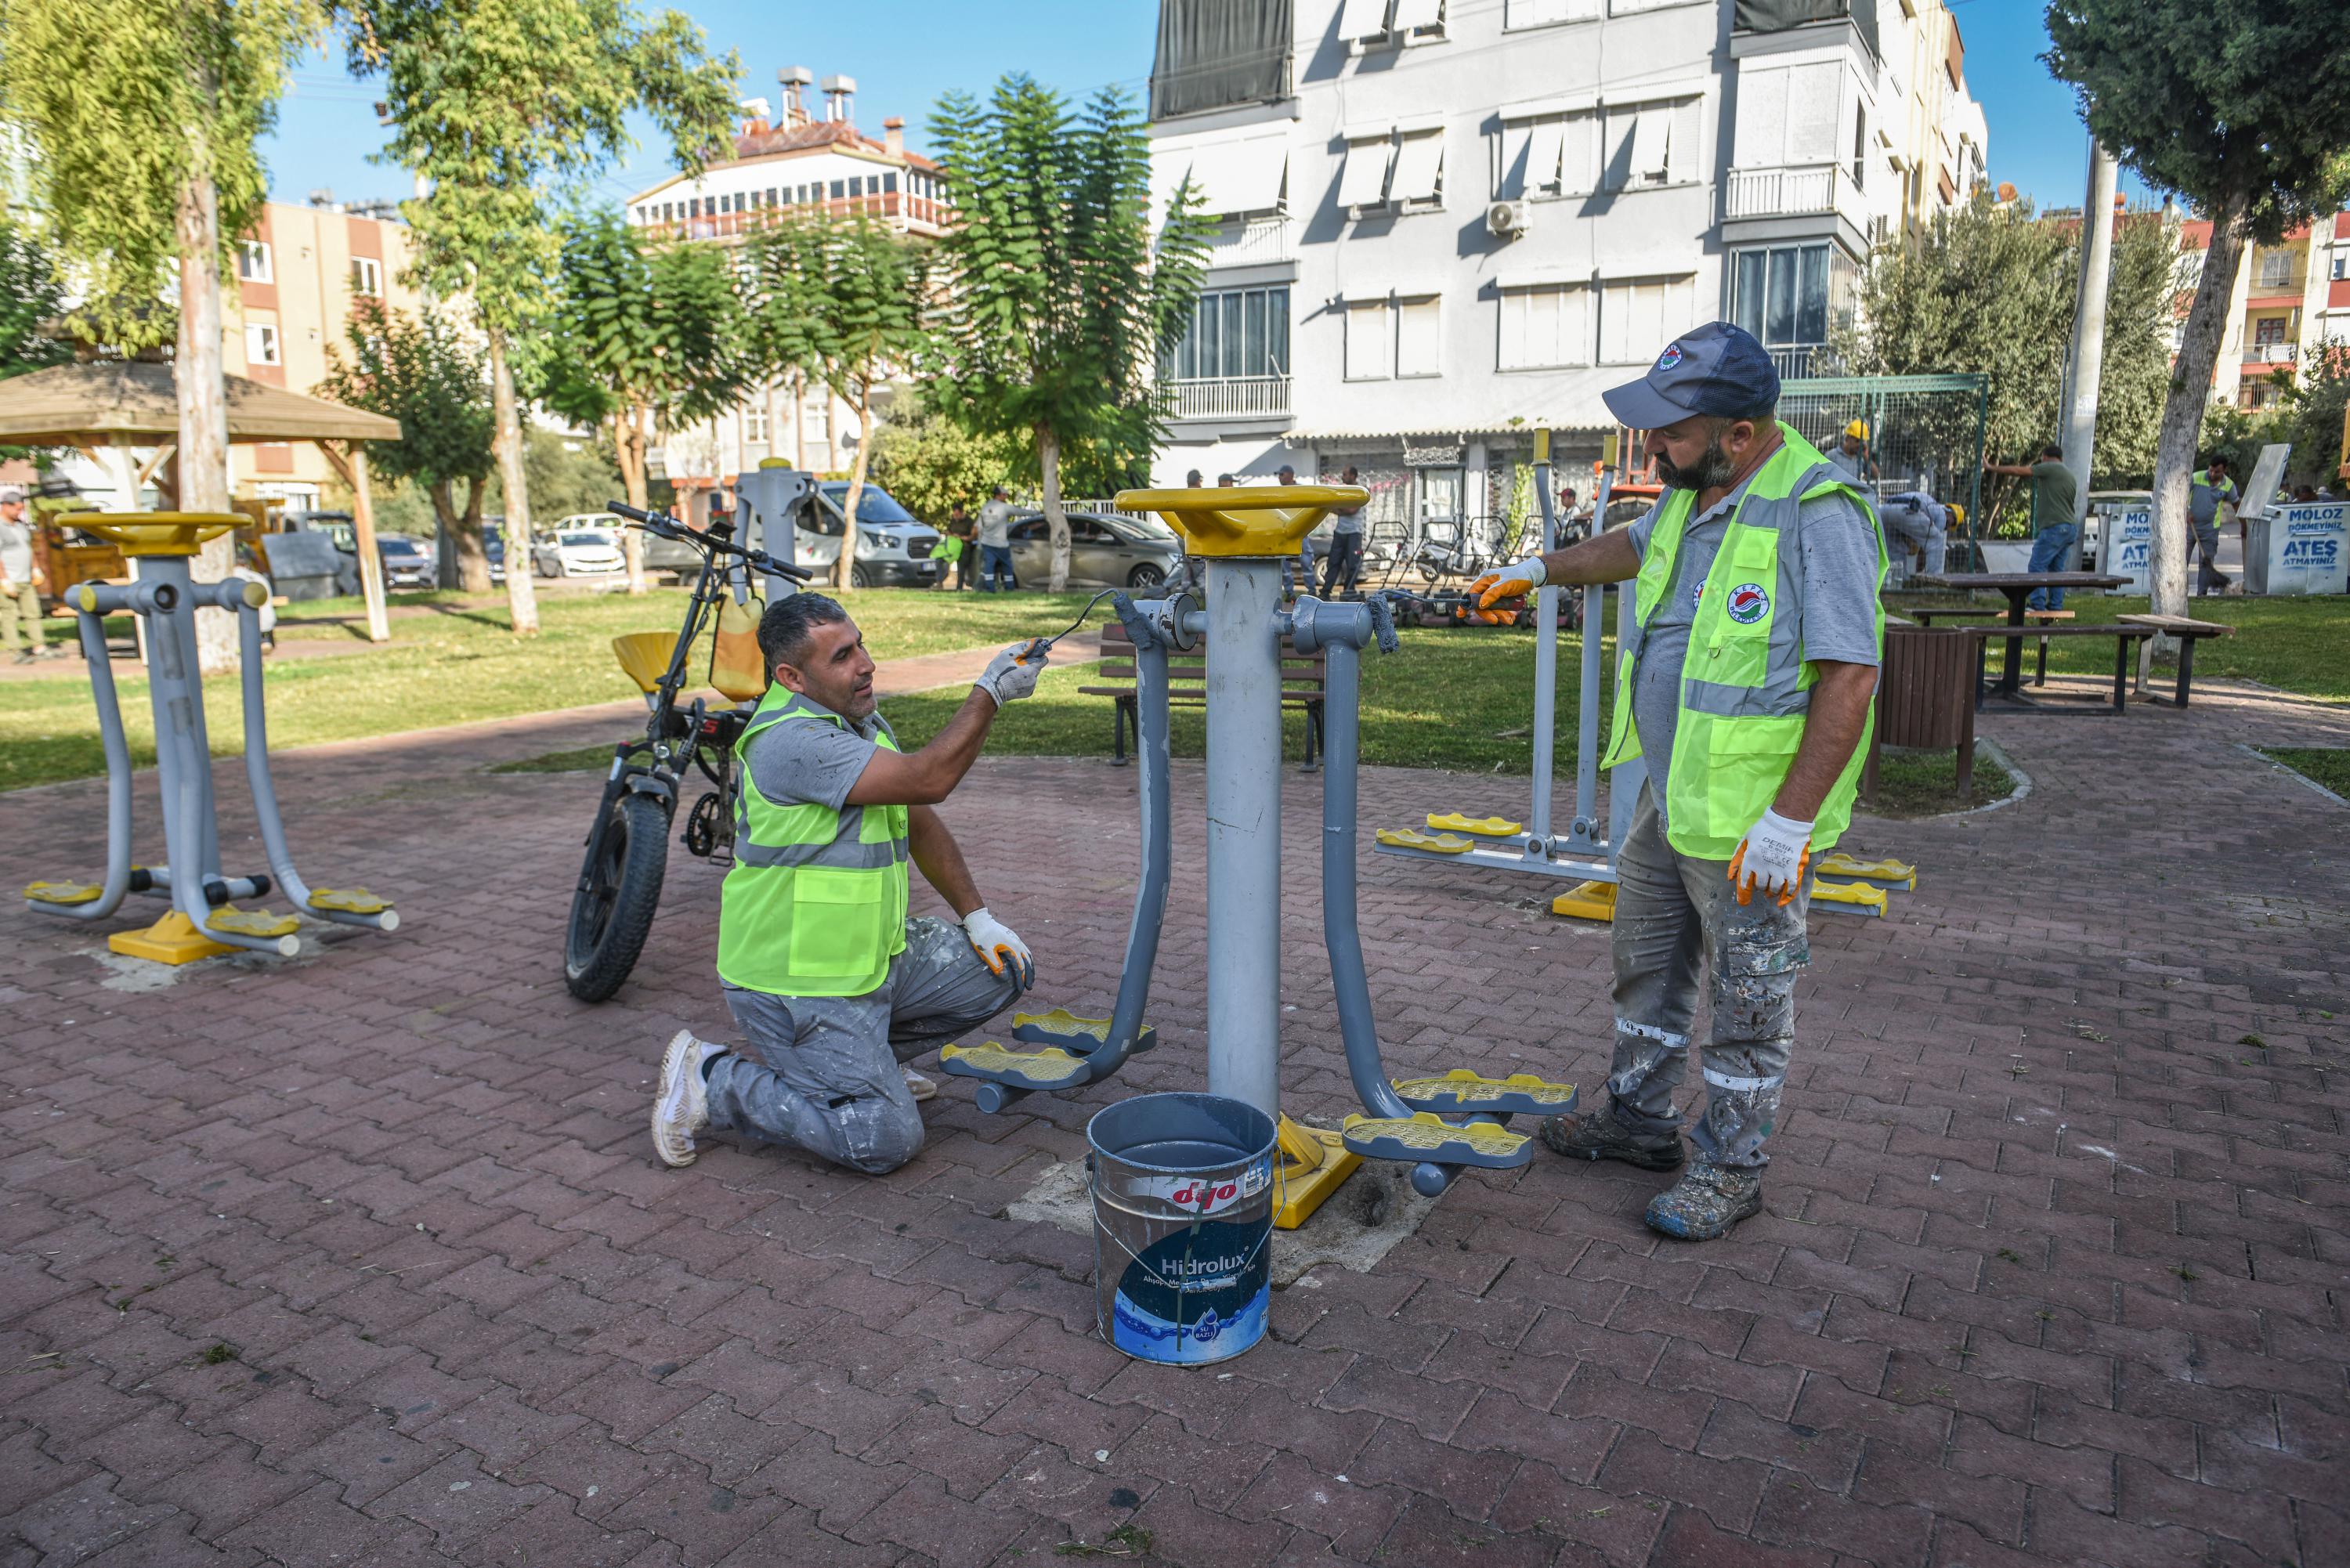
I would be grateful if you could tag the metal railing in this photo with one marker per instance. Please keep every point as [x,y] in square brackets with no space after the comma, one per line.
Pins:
[1799,361]
[1248,242]
[884,205]
[1787,192]
[1237,396]
[2272,353]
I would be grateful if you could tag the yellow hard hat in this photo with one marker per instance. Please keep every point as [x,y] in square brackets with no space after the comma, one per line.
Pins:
[1857,429]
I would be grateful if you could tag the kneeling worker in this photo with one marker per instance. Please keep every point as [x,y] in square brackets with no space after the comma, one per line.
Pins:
[1748,689]
[832,985]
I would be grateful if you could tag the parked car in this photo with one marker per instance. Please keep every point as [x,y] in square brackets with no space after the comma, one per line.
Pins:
[575,547]
[894,547]
[407,563]
[1107,550]
[493,545]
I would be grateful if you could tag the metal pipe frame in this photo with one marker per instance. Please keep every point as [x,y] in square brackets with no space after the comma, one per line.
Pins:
[92,630]
[1244,686]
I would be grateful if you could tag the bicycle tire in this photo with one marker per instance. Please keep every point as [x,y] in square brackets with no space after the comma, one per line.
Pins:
[612,909]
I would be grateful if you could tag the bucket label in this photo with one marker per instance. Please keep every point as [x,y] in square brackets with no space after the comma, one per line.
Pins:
[1200,1294]
[1201,1194]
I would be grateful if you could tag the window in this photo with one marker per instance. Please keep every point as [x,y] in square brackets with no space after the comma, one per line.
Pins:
[771,196]
[1787,115]
[755,422]
[1637,317]
[260,343]
[839,188]
[1789,295]
[253,261]
[1363,181]
[2269,330]
[889,184]
[1545,327]
[1650,144]
[1419,169]
[1418,340]
[816,418]
[1235,333]
[856,186]
[1212,54]
[2341,269]
[1380,169]
[1556,155]
[367,277]
[1368,331]
[1516,14]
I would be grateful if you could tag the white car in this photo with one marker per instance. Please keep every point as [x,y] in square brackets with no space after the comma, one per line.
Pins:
[587,545]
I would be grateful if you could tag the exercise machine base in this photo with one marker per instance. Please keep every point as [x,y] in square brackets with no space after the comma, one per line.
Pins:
[1587,901]
[171,940]
[1314,1165]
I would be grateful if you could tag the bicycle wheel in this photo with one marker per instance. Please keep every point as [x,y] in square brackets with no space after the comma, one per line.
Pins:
[619,888]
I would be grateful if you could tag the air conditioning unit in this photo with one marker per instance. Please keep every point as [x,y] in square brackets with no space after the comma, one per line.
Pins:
[1506,220]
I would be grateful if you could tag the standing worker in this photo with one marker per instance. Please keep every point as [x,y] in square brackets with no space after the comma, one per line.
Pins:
[1852,454]
[1747,688]
[832,985]
[995,543]
[1346,557]
[2055,517]
[2211,485]
[21,581]
[966,544]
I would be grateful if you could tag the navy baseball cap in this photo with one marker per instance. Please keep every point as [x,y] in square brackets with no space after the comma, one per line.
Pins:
[1717,369]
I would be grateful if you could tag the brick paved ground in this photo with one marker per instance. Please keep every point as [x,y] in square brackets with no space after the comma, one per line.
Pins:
[2052,1270]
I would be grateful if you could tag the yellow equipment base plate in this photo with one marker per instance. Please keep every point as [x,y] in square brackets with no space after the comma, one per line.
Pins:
[1887,873]
[171,940]
[1485,826]
[350,901]
[252,922]
[1427,1136]
[63,892]
[1462,1092]
[1413,838]
[1048,1069]
[1850,898]
[1063,1028]
[1587,901]
[1304,1184]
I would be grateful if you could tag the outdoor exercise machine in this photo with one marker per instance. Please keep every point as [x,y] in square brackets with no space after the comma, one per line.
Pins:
[1243,627]
[203,920]
[1587,850]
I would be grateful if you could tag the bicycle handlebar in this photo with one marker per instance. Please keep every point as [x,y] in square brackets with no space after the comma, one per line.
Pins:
[668,527]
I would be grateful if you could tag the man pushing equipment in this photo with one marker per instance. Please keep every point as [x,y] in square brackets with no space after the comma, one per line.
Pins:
[1747,686]
[833,986]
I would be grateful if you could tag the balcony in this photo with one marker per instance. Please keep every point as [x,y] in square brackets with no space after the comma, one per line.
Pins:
[1804,361]
[1248,242]
[1794,191]
[892,208]
[2272,353]
[1233,398]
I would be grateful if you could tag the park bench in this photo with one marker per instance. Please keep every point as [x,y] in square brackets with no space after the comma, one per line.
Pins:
[1187,686]
[2122,633]
[2188,632]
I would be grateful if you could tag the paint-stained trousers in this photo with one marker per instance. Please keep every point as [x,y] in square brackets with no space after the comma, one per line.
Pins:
[821,1073]
[1676,914]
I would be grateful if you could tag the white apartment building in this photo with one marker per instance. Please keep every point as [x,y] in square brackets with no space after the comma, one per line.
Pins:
[1444,224]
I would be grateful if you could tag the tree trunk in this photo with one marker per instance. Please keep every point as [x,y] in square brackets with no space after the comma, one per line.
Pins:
[464,530]
[844,571]
[627,423]
[629,446]
[202,461]
[505,442]
[2183,410]
[1057,522]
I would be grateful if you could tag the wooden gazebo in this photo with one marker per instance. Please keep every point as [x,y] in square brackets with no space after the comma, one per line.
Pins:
[134,404]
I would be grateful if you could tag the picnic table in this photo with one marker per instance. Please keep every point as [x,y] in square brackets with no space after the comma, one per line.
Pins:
[2019,586]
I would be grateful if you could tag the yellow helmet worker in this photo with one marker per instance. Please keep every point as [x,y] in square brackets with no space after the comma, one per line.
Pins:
[1857,429]
[1851,453]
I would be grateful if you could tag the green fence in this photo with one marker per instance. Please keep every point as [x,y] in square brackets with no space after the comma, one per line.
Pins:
[1924,430]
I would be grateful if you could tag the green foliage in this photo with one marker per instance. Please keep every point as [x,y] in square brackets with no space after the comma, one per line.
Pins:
[2314,400]
[2217,100]
[2238,434]
[637,330]
[2141,304]
[928,463]
[840,303]
[565,474]
[130,103]
[31,300]
[424,371]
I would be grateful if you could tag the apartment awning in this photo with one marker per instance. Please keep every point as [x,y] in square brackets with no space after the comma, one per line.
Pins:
[1245,175]
[135,403]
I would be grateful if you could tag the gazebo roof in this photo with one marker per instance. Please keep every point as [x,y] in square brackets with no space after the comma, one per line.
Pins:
[135,403]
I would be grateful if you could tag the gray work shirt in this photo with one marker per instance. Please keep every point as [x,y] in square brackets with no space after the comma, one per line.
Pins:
[2203,499]
[1837,561]
[17,552]
[995,525]
[815,763]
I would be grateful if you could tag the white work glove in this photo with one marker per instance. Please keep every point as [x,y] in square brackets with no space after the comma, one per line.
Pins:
[1013,673]
[1511,582]
[1772,858]
[997,946]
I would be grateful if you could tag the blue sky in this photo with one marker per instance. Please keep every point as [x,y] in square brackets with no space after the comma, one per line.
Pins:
[905,53]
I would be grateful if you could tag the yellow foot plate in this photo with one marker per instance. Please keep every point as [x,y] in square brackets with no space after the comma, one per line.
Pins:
[1427,1136]
[1413,838]
[1886,872]
[1047,1069]
[171,940]
[63,892]
[1587,901]
[252,922]
[1848,897]
[350,901]
[1485,826]
[1461,1091]
[1304,1184]
[1063,1028]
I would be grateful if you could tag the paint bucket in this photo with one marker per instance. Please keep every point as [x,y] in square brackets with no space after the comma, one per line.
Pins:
[1183,1192]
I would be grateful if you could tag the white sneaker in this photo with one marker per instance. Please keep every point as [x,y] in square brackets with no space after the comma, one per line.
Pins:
[681,1100]
[922,1088]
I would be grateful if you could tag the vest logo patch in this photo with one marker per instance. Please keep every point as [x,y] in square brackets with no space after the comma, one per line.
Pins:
[1748,603]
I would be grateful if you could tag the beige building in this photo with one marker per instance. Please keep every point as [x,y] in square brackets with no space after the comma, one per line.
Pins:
[2288,300]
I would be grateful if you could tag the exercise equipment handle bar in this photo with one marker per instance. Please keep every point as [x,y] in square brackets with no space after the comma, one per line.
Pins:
[668,527]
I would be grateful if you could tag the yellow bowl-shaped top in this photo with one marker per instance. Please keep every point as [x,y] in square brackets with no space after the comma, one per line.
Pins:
[156,533]
[1263,520]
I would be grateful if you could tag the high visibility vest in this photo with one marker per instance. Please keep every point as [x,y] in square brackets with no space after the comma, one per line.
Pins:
[1745,689]
[815,902]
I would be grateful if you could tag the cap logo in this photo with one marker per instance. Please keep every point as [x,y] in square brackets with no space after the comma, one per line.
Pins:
[1748,603]
[1669,357]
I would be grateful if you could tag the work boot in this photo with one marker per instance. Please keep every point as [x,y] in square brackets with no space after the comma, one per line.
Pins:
[681,1099]
[920,1087]
[1599,1136]
[1707,1202]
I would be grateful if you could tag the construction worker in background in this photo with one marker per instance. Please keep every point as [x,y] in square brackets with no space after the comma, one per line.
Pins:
[1852,453]
[832,985]
[21,581]
[2209,486]
[1747,688]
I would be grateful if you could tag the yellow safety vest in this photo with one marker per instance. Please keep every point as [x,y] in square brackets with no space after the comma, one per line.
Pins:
[1745,688]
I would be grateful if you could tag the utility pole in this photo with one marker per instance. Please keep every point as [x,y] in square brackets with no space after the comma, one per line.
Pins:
[2088,357]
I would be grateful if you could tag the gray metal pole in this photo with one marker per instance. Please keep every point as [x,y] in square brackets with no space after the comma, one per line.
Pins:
[1243,700]
[1545,727]
[2089,319]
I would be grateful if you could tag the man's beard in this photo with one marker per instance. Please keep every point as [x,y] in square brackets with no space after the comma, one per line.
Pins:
[1713,470]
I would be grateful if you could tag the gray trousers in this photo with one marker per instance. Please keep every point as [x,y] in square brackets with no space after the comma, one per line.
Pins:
[2209,579]
[1674,913]
[821,1073]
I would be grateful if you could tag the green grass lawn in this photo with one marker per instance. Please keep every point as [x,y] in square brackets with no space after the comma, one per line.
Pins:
[458,662]
[2328,765]
[1913,782]
[2294,644]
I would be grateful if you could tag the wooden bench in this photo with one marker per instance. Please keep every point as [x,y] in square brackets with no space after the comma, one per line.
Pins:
[1187,686]
[2188,632]
[2122,634]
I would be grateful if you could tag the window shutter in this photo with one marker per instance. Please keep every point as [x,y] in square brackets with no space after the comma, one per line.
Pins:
[1418,336]
[1367,340]
[1363,183]
[1419,168]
